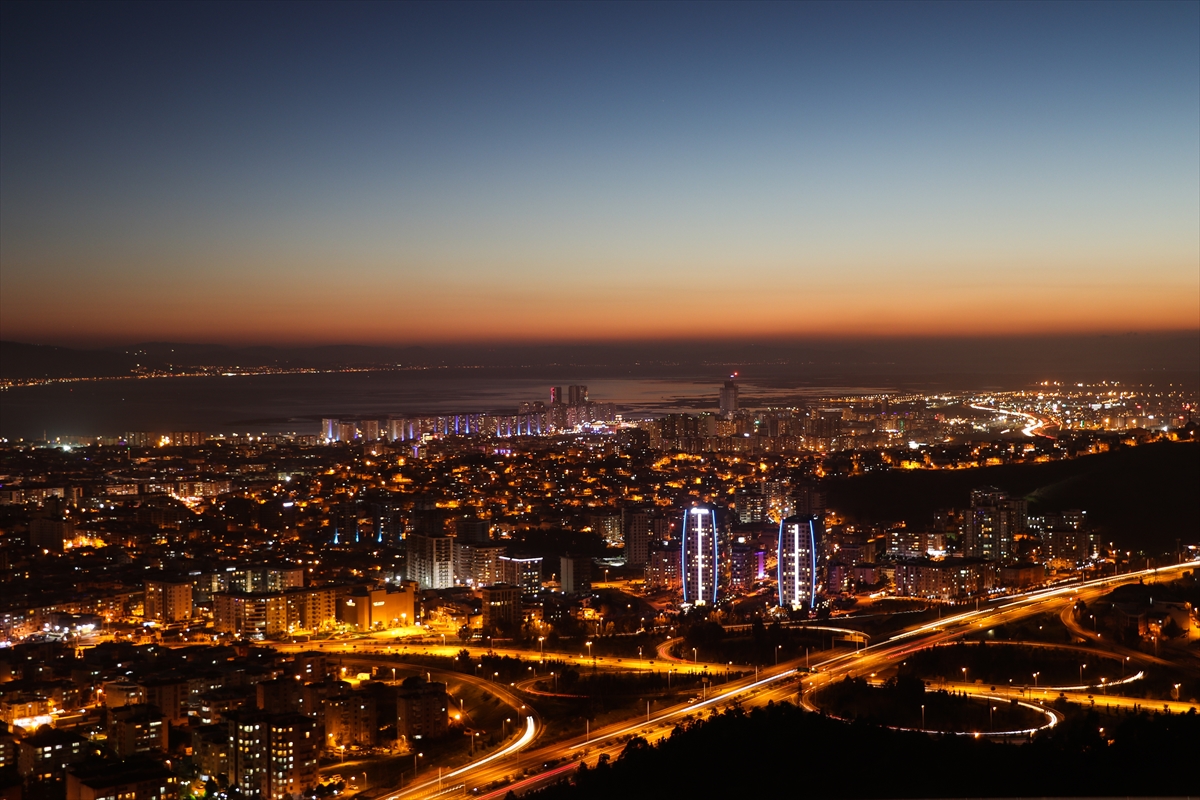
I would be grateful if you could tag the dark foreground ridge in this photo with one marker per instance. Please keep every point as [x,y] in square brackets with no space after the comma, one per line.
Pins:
[804,754]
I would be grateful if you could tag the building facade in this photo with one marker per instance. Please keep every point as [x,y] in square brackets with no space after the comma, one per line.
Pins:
[701,550]
[800,562]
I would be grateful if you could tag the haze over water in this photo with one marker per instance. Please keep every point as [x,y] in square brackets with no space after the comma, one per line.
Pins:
[295,403]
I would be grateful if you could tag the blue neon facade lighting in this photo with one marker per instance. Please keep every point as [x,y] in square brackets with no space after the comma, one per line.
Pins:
[700,554]
[798,563]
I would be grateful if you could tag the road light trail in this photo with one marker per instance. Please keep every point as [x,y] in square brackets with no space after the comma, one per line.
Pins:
[1035,422]
[525,738]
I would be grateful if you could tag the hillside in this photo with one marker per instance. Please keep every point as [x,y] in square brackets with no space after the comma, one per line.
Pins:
[1143,498]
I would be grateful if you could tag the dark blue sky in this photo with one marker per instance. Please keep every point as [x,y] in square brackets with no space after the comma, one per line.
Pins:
[411,172]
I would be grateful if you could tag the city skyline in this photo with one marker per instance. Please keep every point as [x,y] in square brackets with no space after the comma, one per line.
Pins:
[424,173]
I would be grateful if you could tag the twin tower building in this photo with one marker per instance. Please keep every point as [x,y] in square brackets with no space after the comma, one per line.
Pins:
[800,559]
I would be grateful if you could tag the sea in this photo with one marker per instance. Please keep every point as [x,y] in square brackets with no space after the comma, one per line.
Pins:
[295,403]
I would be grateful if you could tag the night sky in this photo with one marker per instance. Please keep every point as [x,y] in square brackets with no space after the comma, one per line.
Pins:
[308,173]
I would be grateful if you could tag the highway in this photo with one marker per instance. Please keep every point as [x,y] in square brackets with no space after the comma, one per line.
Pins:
[778,682]
[1091,696]
[1034,423]
[878,657]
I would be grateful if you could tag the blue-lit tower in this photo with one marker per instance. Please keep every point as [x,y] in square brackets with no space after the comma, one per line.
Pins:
[801,565]
[700,554]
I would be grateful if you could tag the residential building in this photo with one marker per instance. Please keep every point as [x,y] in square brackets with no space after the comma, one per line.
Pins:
[701,556]
[800,562]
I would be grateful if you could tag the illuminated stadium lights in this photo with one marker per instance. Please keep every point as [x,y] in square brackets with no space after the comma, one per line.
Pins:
[700,556]
[799,563]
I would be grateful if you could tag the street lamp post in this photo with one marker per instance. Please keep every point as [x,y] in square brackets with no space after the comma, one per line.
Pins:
[777,654]
[922,716]
[695,658]
[541,652]
[1082,667]
[1035,679]
[589,647]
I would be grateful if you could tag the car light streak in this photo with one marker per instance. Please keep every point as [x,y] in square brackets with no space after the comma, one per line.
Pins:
[693,707]
[526,738]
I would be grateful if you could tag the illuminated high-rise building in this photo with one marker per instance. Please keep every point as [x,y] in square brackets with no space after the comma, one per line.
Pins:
[993,523]
[801,563]
[700,556]
[729,399]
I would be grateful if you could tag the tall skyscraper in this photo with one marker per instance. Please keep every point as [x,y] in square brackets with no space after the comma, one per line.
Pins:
[801,565]
[701,556]
[556,395]
[577,395]
[729,399]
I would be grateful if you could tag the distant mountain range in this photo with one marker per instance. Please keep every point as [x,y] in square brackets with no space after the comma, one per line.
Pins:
[1166,357]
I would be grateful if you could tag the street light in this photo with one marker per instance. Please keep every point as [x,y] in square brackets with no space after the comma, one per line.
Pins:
[922,716]
[1035,679]
[695,658]
[541,653]
[777,654]
[589,647]
[1082,667]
